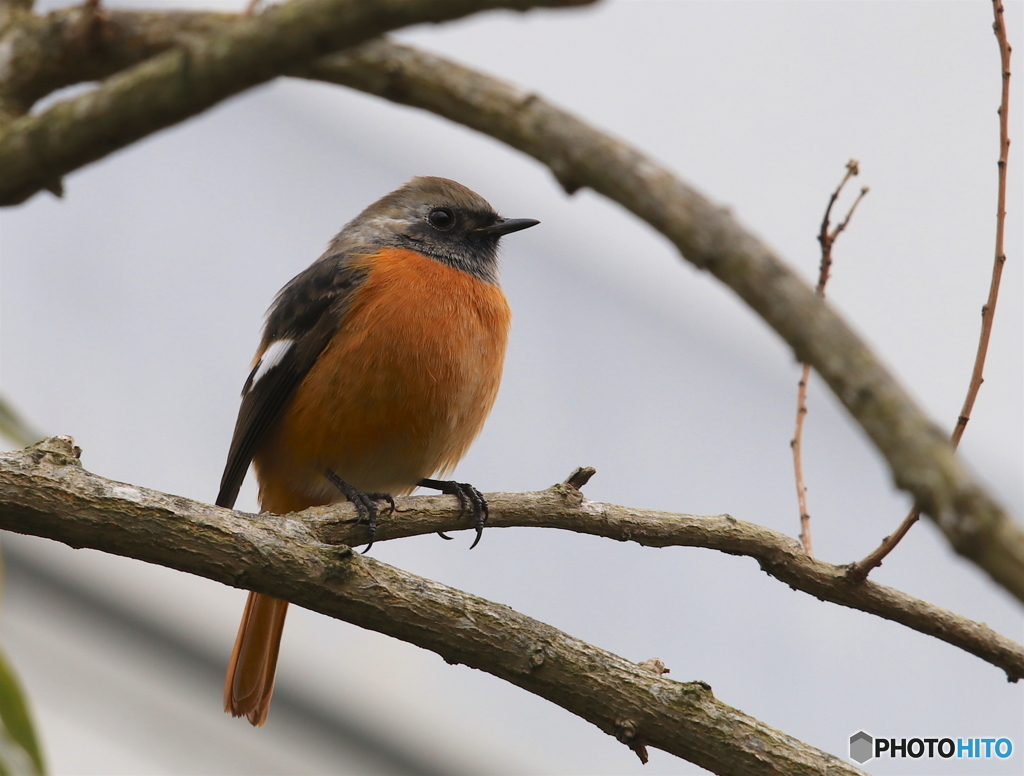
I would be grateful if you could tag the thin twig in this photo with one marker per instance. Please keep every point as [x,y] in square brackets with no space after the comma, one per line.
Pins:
[796,443]
[860,570]
[825,239]
[988,311]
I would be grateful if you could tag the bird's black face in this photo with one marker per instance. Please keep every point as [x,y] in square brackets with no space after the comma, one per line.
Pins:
[440,219]
[446,225]
[465,238]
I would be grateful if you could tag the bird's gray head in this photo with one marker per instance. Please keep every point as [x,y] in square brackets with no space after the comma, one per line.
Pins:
[439,218]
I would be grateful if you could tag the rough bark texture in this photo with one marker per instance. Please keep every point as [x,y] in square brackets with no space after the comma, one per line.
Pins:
[42,508]
[202,70]
[39,500]
[44,491]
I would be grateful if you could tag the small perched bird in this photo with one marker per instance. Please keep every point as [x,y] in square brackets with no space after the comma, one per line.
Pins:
[377,368]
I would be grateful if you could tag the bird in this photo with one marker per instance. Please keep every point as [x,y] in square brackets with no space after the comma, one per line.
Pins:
[377,368]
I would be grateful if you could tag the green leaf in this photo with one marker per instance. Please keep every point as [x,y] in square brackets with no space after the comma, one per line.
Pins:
[15,428]
[19,747]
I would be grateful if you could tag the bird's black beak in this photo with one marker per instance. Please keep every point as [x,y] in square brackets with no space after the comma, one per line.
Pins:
[505,226]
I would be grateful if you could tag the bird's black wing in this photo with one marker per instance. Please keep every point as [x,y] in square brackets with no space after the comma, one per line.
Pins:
[306,314]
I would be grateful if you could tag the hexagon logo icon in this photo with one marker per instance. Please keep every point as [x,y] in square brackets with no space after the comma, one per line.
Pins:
[861,747]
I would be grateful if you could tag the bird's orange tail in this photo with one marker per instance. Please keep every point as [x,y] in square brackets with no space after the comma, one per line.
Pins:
[250,679]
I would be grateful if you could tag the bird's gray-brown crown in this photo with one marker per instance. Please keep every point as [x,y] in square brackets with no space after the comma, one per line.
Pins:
[437,217]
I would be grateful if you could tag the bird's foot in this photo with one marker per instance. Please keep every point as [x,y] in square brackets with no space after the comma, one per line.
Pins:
[365,503]
[469,499]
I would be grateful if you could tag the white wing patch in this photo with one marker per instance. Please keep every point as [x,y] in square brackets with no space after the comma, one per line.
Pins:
[271,357]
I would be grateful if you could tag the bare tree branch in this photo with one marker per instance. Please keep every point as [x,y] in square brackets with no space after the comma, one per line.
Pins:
[37,150]
[564,507]
[826,238]
[41,54]
[44,491]
[65,506]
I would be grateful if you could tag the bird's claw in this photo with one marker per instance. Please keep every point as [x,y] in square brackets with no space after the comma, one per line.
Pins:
[470,499]
[365,504]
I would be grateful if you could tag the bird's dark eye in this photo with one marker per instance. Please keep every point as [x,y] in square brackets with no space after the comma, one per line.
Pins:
[441,218]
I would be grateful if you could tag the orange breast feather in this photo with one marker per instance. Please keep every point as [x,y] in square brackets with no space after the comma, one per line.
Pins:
[401,391]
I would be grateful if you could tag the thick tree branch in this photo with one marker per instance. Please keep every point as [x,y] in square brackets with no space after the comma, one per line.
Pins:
[44,491]
[10,9]
[41,54]
[37,150]
[83,509]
